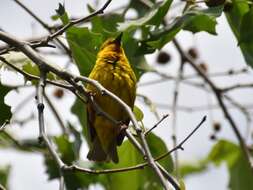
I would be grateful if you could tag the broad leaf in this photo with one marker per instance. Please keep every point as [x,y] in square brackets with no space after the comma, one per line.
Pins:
[246,30]
[141,7]
[4,174]
[138,113]
[135,56]
[106,25]
[191,168]
[240,174]
[154,17]
[240,21]
[5,110]
[84,45]
[224,151]
[129,156]
[194,19]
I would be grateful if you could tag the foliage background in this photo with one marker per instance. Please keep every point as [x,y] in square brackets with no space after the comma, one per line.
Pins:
[220,52]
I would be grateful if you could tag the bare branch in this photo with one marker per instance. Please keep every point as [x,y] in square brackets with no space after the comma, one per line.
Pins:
[157,124]
[218,94]
[237,86]
[180,145]
[46,26]
[43,137]
[2,127]
[57,116]
[174,109]
[29,76]
[73,22]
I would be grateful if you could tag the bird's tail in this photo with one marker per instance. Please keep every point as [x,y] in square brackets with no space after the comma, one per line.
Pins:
[98,154]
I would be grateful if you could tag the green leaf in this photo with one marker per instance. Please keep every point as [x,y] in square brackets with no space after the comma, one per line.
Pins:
[202,19]
[129,156]
[84,45]
[138,113]
[77,143]
[33,69]
[238,14]
[4,174]
[69,152]
[223,151]
[106,25]
[66,149]
[191,168]
[5,110]
[153,17]
[161,12]
[78,180]
[240,175]
[246,30]
[61,14]
[194,19]
[157,148]
[135,56]
[140,6]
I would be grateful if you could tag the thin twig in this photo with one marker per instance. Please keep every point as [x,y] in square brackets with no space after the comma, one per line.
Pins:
[166,77]
[46,26]
[62,183]
[156,125]
[57,116]
[180,145]
[2,187]
[174,111]
[141,166]
[150,104]
[29,76]
[43,136]
[2,127]
[237,86]
[218,94]
[73,22]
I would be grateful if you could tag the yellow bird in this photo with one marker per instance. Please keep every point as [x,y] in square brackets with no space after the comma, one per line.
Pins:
[114,72]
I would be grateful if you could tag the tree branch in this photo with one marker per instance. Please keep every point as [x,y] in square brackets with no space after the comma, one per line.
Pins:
[218,94]
[46,26]
[42,136]
[29,76]
[156,125]
[72,79]
[73,22]
[57,116]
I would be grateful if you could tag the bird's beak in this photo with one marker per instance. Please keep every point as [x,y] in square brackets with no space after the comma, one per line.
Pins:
[118,38]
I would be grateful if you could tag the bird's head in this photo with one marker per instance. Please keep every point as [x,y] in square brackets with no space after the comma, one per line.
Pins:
[112,44]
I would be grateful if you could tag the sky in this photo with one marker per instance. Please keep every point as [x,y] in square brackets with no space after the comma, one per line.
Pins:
[219,52]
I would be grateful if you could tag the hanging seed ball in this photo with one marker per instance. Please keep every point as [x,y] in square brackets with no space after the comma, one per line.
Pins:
[217,126]
[193,53]
[163,58]
[214,3]
[58,93]
[204,67]
[213,137]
